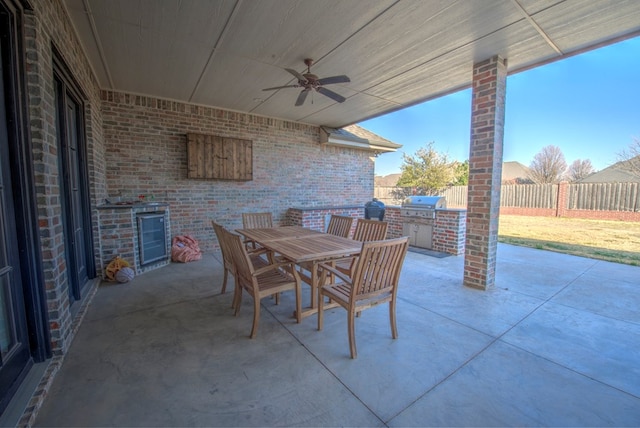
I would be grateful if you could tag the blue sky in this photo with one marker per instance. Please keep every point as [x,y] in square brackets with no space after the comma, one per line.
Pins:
[588,105]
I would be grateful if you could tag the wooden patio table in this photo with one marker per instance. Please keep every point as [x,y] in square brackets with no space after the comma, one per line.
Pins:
[302,245]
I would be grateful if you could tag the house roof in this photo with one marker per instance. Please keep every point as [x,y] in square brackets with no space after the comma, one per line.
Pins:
[513,170]
[389,180]
[355,136]
[223,53]
[612,174]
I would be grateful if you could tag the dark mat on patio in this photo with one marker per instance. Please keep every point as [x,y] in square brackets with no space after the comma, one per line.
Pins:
[427,252]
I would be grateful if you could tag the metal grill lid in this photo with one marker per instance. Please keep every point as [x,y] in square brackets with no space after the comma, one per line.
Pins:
[425,202]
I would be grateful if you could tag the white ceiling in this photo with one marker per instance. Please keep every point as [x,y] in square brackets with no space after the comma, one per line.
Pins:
[222,53]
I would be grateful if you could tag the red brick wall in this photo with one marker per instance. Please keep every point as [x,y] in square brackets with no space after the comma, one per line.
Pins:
[392,216]
[449,231]
[603,215]
[317,218]
[146,154]
[543,212]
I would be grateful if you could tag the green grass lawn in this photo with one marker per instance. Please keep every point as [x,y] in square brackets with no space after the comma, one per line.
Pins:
[615,241]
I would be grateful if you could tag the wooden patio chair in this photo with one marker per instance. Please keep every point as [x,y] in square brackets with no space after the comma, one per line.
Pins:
[256,221]
[227,258]
[370,230]
[366,230]
[260,282]
[374,281]
[340,225]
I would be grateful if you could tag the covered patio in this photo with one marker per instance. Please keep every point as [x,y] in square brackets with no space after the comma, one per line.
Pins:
[101,99]
[555,343]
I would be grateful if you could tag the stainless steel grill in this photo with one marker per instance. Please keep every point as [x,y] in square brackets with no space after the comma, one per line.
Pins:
[418,215]
[422,206]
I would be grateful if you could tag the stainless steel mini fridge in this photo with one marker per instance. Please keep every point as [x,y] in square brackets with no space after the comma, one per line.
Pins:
[152,237]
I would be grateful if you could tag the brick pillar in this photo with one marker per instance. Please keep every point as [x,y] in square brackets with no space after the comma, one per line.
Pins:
[562,203]
[485,171]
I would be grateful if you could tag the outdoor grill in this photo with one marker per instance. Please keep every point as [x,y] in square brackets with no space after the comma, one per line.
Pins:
[418,215]
[422,206]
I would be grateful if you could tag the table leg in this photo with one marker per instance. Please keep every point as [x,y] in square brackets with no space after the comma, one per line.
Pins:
[314,283]
[314,287]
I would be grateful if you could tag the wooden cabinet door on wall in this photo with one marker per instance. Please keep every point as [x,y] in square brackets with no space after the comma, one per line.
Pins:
[219,158]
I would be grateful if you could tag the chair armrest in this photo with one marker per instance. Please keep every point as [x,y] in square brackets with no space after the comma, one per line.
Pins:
[345,258]
[273,266]
[335,272]
[257,251]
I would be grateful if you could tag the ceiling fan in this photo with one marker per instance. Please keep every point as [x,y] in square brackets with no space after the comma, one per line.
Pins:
[309,81]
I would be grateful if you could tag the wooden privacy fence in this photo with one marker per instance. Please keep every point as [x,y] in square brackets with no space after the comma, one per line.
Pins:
[604,196]
[456,196]
[529,196]
[621,197]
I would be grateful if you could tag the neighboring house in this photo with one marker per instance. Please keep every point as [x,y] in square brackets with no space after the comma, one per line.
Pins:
[387,180]
[612,174]
[515,173]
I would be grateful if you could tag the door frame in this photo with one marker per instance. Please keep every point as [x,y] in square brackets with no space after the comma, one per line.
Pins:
[25,201]
[65,77]
[23,187]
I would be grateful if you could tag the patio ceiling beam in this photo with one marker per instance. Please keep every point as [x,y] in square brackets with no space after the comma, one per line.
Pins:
[537,27]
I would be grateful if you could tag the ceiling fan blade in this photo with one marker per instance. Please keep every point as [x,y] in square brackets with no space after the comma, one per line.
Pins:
[280,87]
[296,74]
[334,79]
[302,97]
[336,97]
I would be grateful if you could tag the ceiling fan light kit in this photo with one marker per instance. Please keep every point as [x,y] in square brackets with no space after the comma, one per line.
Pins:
[309,81]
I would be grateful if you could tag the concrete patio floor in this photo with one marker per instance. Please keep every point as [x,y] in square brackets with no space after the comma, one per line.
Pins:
[555,343]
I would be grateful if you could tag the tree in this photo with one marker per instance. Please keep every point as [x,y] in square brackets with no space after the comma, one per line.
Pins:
[548,166]
[461,173]
[428,171]
[579,169]
[630,158]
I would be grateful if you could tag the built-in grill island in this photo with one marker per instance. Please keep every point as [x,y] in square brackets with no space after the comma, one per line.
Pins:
[418,219]
[429,224]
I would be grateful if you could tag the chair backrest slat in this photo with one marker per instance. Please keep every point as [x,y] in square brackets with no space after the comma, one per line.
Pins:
[227,257]
[257,220]
[378,267]
[243,265]
[340,225]
[370,230]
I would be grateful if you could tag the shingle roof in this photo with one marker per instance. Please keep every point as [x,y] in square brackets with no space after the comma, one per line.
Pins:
[357,136]
[612,174]
[512,170]
[389,180]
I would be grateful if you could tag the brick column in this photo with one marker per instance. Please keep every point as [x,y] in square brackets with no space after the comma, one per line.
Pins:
[562,203]
[485,171]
